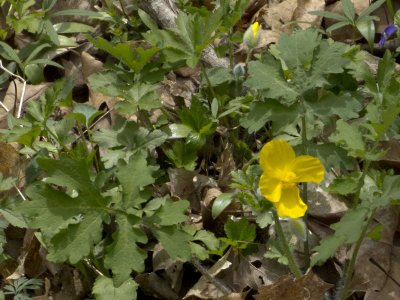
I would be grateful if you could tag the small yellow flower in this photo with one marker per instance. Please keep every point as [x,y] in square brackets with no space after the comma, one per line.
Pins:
[255,27]
[282,170]
[251,36]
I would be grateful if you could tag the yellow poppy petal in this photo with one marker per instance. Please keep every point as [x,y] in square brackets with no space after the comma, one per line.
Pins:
[291,205]
[308,169]
[255,27]
[270,188]
[276,156]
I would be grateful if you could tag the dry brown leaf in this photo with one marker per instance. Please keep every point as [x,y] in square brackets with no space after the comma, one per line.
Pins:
[391,288]
[324,205]
[310,287]
[10,161]
[204,289]
[91,65]
[302,16]
[367,276]
[234,296]
[154,285]
[177,91]
[391,159]
[189,185]
[225,166]
[278,16]
[252,271]
[12,97]
[28,258]
[171,269]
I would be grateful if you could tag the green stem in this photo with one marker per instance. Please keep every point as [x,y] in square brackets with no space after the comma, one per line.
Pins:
[294,268]
[304,190]
[214,95]
[361,183]
[248,58]
[230,47]
[343,293]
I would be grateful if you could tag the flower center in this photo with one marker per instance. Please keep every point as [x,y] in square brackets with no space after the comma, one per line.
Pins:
[288,177]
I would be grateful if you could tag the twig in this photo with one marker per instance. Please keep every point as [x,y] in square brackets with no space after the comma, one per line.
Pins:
[20,193]
[215,281]
[21,101]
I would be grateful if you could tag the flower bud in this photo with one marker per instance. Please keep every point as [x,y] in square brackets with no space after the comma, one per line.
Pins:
[239,70]
[251,36]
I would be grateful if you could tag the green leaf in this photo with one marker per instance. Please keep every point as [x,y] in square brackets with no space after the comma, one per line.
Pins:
[218,75]
[349,137]
[264,219]
[220,203]
[345,185]
[174,241]
[71,225]
[326,249]
[337,26]
[371,8]
[6,183]
[77,241]
[345,105]
[171,213]
[262,112]
[330,15]
[51,32]
[386,68]
[193,33]
[183,155]
[85,114]
[134,58]
[367,29]
[208,238]
[354,218]
[331,155]
[328,60]
[143,95]
[197,117]
[8,53]
[104,289]
[130,135]
[246,180]
[123,255]
[177,131]
[375,233]
[240,230]
[147,20]
[348,9]
[107,83]
[78,12]
[133,176]
[268,76]
[297,49]
[72,27]
[390,192]
[43,61]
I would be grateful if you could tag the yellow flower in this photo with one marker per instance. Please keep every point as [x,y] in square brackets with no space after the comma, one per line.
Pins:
[251,36]
[282,170]
[255,27]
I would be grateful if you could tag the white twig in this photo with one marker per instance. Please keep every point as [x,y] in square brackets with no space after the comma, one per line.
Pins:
[20,193]
[21,100]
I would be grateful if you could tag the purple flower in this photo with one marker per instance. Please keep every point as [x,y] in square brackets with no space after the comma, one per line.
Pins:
[386,34]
